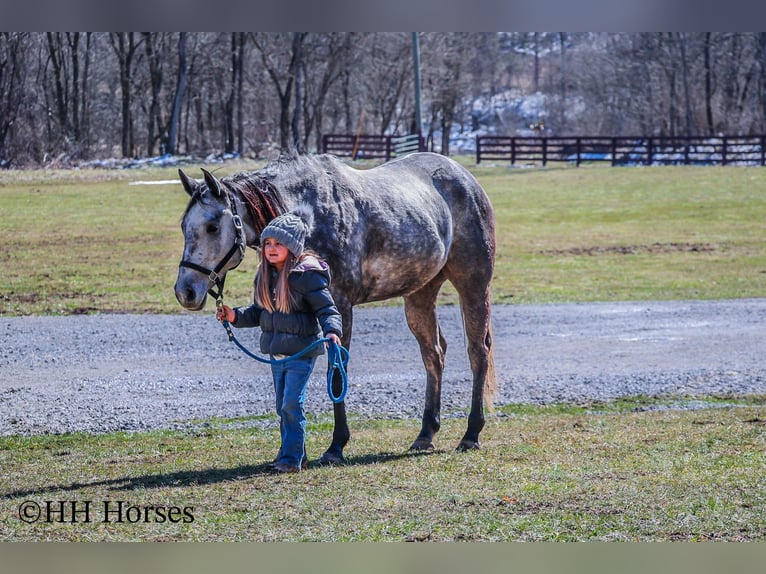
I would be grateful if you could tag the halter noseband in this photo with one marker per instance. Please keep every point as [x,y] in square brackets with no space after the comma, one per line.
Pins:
[215,280]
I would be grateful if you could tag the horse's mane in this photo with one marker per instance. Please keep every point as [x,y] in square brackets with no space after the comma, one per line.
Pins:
[261,197]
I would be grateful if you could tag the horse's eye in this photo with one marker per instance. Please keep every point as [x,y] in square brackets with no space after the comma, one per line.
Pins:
[212,228]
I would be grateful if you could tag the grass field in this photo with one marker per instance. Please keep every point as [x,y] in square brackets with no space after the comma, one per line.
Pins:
[559,473]
[87,241]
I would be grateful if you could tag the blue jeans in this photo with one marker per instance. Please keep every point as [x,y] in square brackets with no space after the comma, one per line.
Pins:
[290,381]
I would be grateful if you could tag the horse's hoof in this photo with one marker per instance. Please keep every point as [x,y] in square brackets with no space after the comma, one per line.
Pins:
[422,445]
[330,458]
[468,445]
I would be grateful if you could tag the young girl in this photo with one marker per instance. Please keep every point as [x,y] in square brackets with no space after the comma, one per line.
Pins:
[292,304]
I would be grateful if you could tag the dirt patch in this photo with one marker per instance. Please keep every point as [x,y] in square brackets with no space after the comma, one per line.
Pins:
[634,249]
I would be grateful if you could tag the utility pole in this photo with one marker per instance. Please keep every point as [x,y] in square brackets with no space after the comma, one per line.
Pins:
[416,59]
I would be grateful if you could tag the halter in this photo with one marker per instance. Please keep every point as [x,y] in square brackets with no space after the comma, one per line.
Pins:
[215,279]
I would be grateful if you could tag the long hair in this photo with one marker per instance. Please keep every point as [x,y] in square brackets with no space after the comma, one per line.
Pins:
[277,297]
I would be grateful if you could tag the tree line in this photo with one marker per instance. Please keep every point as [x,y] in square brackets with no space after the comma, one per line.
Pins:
[68,97]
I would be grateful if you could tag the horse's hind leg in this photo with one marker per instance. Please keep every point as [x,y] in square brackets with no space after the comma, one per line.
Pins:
[475,304]
[420,309]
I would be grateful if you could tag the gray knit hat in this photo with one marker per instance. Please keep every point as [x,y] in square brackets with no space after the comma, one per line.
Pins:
[291,228]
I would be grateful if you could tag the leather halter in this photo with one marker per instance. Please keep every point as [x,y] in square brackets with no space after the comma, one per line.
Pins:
[215,279]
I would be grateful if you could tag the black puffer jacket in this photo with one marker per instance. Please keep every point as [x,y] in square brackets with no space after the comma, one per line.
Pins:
[315,313]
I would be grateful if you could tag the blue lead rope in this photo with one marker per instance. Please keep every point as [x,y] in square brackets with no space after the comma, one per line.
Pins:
[337,360]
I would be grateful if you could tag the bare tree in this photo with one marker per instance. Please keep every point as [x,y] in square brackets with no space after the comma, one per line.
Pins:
[388,57]
[762,61]
[125,46]
[155,60]
[12,85]
[70,62]
[326,56]
[708,71]
[233,136]
[279,59]
[175,114]
[71,96]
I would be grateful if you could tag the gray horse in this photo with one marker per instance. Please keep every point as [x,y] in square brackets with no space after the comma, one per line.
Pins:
[397,230]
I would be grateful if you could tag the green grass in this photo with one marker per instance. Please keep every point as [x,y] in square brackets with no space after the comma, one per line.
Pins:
[638,469]
[557,473]
[88,241]
[85,241]
[611,234]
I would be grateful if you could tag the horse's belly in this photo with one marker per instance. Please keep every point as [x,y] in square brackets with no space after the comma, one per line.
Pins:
[406,244]
[388,275]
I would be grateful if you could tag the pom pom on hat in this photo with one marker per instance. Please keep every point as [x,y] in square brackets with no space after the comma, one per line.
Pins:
[291,228]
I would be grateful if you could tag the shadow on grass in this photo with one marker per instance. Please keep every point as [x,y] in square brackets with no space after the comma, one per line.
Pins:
[187,478]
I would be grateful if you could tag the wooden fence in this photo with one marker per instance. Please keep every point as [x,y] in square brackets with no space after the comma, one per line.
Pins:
[371,146]
[724,150]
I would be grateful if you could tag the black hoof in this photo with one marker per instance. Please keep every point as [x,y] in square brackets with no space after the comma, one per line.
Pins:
[330,458]
[468,445]
[422,445]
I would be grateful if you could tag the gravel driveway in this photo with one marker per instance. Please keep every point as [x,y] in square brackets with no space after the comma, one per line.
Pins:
[133,372]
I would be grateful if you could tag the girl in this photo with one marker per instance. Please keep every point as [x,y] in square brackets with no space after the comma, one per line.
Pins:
[292,303]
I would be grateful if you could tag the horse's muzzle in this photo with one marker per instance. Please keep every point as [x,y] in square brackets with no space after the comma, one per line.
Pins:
[189,296]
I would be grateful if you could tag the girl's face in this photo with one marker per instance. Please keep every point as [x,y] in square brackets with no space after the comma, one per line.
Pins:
[275,253]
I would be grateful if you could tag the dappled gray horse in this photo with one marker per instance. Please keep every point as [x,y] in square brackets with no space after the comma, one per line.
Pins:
[399,229]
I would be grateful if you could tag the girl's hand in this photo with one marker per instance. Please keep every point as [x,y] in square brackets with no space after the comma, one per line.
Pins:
[334,338]
[225,313]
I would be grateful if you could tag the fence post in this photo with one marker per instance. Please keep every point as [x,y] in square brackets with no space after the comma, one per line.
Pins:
[578,148]
[649,150]
[513,151]
[763,151]
[545,151]
[723,150]
[614,152]
[478,150]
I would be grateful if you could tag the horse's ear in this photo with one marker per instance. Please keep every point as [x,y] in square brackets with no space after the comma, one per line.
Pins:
[189,184]
[212,183]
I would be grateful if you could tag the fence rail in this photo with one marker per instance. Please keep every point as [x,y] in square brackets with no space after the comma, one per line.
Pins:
[724,150]
[371,146]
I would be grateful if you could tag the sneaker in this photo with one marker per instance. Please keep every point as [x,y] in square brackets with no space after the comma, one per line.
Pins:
[273,464]
[284,468]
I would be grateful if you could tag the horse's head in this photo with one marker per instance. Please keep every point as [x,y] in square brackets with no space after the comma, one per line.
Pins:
[214,240]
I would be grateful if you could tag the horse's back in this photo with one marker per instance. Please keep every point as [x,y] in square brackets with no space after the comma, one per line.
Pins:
[390,229]
[454,183]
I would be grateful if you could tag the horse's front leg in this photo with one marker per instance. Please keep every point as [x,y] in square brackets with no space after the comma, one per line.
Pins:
[341,433]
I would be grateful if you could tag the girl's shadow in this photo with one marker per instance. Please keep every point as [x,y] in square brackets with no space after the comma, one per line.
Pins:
[187,478]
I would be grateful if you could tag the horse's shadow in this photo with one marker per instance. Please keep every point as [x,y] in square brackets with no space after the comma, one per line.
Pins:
[186,478]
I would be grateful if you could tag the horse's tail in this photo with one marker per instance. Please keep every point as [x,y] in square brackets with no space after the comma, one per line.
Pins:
[490,386]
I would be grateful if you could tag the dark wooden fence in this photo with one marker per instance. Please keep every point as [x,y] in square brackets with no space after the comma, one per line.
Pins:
[370,146]
[725,150]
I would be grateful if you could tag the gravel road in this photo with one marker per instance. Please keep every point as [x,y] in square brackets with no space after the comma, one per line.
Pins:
[102,373]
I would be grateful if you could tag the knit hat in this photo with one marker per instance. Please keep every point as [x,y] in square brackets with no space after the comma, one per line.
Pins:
[291,228]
